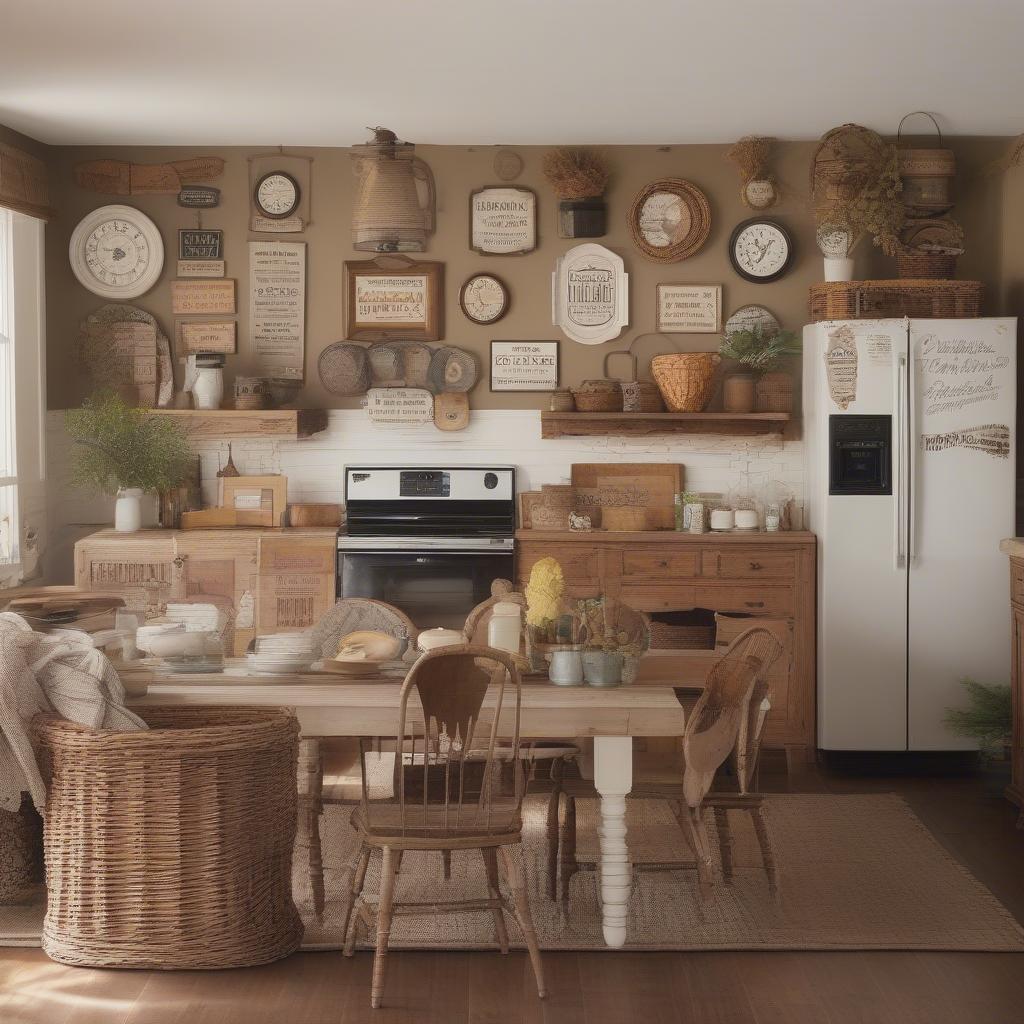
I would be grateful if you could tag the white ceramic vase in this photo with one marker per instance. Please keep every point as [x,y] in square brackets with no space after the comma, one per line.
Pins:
[838,268]
[128,510]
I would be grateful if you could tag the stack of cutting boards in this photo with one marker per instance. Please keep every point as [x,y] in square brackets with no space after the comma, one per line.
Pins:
[618,496]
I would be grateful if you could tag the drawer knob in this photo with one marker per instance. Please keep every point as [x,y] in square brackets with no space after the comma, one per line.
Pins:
[755,566]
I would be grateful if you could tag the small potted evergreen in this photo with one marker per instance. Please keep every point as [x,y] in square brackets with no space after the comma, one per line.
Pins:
[759,351]
[988,718]
[127,452]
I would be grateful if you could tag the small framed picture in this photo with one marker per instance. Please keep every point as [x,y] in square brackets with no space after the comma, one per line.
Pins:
[689,308]
[394,298]
[503,221]
[524,365]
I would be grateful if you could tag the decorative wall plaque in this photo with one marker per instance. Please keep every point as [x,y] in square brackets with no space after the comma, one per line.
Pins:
[207,336]
[524,365]
[277,307]
[503,221]
[200,244]
[400,405]
[689,308]
[199,197]
[841,365]
[590,294]
[394,297]
[200,298]
[200,268]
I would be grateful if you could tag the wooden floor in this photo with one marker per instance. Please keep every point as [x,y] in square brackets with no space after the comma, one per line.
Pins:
[598,987]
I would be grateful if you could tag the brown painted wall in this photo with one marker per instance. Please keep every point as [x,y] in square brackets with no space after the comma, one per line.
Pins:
[457,171]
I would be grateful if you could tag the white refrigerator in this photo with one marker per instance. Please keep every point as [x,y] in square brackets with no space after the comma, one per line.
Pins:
[909,432]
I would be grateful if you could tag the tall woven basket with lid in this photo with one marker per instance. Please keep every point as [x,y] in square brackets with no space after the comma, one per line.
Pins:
[171,848]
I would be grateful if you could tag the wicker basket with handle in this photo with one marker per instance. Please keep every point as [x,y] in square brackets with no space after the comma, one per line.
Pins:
[171,848]
[598,396]
[686,379]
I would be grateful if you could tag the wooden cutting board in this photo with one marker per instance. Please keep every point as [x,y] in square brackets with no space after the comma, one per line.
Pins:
[649,485]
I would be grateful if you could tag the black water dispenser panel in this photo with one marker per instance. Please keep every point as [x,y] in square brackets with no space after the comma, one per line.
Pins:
[860,454]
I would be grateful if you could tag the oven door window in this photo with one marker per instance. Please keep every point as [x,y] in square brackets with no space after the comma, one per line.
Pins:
[432,588]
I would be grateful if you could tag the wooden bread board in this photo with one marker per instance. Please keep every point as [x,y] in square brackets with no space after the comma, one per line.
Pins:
[649,485]
[224,519]
[634,518]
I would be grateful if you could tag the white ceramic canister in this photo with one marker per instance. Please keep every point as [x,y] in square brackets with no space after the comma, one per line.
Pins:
[505,626]
[566,668]
[746,519]
[208,387]
[722,519]
[431,639]
[695,518]
[128,510]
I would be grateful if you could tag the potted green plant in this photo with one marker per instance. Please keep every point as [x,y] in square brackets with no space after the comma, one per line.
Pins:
[987,718]
[127,452]
[760,351]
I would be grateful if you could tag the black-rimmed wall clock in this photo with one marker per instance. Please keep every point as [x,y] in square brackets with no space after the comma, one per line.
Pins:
[760,250]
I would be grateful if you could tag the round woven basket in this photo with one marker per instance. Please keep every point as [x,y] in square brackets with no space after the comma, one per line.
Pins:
[171,848]
[774,393]
[598,396]
[925,266]
[685,379]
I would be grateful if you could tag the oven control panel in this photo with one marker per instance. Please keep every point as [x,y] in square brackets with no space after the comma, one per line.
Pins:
[424,483]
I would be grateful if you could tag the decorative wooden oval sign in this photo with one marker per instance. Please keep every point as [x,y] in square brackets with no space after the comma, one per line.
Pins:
[590,294]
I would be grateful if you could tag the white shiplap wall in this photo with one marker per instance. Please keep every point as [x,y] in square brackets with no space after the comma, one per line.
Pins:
[495,436]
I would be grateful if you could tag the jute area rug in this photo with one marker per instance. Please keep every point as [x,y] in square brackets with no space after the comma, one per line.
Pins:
[857,872]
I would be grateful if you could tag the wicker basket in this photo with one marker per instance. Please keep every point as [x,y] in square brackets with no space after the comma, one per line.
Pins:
[774,393]
[685,379]
[562,401]
[171,848]
[641,396]
[926,266]
[682,637]
[21,854]
[598,396]
[868,300]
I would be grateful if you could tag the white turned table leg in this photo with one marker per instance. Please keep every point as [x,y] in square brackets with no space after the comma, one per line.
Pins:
[613,778]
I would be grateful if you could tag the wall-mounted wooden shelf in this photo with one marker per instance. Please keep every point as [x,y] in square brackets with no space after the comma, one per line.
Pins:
[641,424]
[228,423]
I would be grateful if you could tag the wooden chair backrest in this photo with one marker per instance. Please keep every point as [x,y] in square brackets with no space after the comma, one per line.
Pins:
[721,717]
[459,707]
[355,613]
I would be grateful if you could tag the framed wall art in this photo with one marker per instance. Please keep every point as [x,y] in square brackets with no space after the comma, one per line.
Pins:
[503,221]
[202,298]
[200,244]
[590,294]
[524,365]
[277,307]
[394,297]
[670,220]
[689,308]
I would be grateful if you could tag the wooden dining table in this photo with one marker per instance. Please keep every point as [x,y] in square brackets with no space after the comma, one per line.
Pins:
[335,706]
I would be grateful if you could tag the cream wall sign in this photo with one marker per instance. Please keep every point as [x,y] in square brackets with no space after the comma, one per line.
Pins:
[503,221]
[590,294]
[116,252]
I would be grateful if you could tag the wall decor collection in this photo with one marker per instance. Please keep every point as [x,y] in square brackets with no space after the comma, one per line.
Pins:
[524,365]
[670,220]
[394,297]
[277,307]
[590,294]
[503,221]
[116,252]
[689,308]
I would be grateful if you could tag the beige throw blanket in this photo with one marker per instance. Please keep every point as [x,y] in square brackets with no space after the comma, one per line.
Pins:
[62,673]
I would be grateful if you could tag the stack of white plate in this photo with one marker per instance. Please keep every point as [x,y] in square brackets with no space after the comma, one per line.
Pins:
[282,652]
[198,617]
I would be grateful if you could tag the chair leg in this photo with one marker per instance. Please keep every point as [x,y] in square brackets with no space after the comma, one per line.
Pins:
[355,873]
[490,856]
[384,910]
[764,841]
[692,825]
[517,883]
[554,802]
[724,842]
[446,864]
[352,922]
[311,807]
[567,846]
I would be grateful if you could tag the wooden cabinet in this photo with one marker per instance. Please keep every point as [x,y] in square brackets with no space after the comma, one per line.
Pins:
[1015,791]
[770,576]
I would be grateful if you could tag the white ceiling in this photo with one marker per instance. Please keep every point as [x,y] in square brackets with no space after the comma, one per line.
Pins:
[315,72]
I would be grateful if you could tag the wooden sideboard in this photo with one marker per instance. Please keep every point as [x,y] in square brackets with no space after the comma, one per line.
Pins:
[1015,791]
[769,576]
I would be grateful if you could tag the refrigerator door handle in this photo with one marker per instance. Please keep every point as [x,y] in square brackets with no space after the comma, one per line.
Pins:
[911,482]
[899,482]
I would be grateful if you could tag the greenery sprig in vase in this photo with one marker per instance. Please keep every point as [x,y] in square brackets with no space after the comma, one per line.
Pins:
[761,351]
[124,451]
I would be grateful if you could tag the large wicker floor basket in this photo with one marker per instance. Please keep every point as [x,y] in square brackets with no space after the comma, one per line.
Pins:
[171,848]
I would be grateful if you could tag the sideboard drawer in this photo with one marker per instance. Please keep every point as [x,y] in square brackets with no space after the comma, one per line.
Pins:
[660,563]
[656,597]
[577,562]
[752,565]
[754,600]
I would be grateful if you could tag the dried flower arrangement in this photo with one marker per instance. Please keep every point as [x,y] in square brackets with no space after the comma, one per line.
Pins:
[751,155]
[544,593]
[856,186]
[605,624]
[576,173]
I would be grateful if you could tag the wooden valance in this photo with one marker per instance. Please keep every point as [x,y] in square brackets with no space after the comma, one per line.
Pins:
[23,183]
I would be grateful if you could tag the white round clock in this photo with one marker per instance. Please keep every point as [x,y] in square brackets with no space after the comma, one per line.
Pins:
[484,299]
[277,195]
[116,252]
[760,250]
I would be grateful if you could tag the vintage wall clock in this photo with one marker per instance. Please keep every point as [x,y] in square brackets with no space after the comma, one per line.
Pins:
[484,299]
[277,195]
[116,252]
[760,250]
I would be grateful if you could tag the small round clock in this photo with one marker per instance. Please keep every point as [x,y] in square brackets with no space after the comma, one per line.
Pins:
[760,250]
[116,252]
[484,299]
[277,195]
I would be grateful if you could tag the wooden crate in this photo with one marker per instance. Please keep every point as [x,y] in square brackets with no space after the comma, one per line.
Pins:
[296,580]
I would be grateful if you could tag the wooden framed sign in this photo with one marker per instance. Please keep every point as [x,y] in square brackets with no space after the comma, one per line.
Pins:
[207,336]
[200,268]
[394,297]
[689,308]
[399,406]
[524,365]
[202,298]
[200,244]
[277,307]
[503,221]
[590,294]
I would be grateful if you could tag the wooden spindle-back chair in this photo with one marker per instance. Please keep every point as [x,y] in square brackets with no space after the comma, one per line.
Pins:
[459,713]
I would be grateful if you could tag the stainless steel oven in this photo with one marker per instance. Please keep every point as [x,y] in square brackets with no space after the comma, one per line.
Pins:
[429,540]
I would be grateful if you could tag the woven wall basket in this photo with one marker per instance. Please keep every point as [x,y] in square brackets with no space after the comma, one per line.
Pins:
[685,379]
[867,300]
[171,848]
